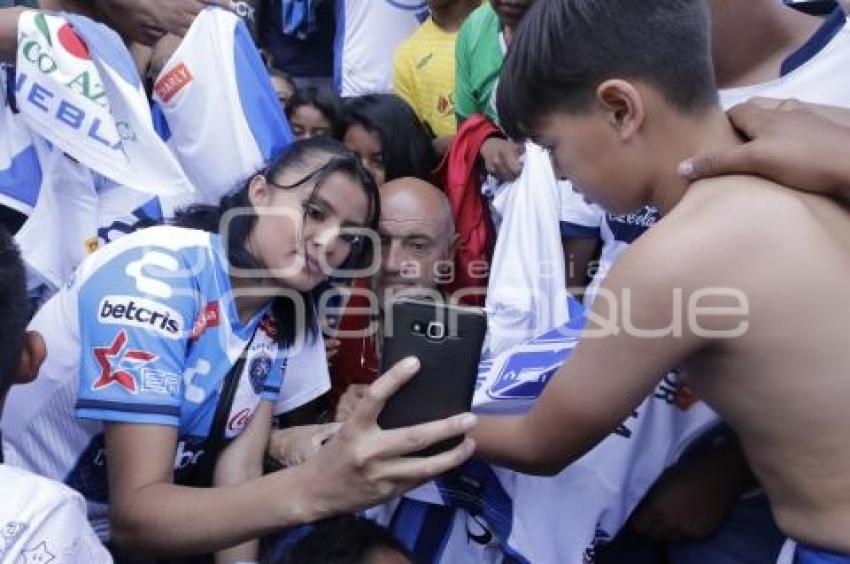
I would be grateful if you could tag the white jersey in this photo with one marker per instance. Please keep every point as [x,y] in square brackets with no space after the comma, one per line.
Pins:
[43,521]
[83,94]
[20,172]
[523,300]
[815,73]
[617,232]
[506,516]
[147,333]
[307,376]
[367,34]
[215,106]
[566,518]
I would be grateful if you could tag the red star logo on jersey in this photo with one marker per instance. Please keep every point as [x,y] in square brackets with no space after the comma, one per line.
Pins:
[113,361]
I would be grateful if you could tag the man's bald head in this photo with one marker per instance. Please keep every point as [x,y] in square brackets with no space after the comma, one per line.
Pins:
[417,235]
[414,198]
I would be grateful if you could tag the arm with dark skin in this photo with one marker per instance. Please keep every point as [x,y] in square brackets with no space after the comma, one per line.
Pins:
[9,33]
[140,21]
[501,158]
[802,146]
[578,255]
[146,21]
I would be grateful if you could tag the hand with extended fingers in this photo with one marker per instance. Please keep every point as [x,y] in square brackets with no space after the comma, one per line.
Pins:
[363,465]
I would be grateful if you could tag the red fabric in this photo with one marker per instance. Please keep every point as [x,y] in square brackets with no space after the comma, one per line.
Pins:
[356,361]
[459,175]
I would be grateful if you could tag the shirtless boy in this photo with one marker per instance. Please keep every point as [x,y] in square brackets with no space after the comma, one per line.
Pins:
[621,92]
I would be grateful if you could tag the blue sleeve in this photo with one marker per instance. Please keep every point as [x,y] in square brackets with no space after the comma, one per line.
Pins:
[575,231]
[259,103]
[135,314]
[274,382]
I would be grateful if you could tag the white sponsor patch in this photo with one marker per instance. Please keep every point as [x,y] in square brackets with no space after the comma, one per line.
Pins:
[133,311]
[146,284]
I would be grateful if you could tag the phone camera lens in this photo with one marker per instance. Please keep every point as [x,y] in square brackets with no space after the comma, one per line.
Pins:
[436,331]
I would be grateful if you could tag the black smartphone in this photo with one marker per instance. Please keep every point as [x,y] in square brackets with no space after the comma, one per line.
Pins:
[447,340]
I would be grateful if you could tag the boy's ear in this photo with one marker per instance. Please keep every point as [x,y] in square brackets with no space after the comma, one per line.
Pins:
[623,104]
[33,354]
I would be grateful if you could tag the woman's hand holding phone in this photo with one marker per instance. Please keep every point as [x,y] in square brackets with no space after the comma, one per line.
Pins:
[363,465]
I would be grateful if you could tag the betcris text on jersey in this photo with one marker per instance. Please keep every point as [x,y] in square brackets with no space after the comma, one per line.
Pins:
[143,313]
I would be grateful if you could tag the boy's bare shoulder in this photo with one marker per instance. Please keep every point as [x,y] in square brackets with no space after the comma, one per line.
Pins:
[748,194]
[718,222]
[736,207]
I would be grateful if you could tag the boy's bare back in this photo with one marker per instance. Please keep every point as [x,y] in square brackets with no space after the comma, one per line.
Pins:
[784,384]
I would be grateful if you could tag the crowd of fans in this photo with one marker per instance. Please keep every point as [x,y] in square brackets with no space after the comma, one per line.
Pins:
[173,449]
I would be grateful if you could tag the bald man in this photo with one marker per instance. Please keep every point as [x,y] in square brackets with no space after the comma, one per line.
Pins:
[418,239]
[418,242]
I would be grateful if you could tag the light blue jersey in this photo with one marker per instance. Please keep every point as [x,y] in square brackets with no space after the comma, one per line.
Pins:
[146,333]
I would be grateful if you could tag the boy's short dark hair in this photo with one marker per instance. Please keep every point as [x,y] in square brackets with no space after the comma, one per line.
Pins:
[564,49]
[14,309]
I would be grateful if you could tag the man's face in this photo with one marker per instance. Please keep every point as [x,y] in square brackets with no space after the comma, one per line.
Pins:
[511,12]
[585,149]
[416,244]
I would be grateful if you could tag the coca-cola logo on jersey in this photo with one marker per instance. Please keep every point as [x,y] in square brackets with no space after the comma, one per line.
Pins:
[240,420]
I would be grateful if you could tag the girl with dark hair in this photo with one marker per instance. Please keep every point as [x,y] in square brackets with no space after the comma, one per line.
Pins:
[389,138]
[257,241]
[314,112]
[168,350]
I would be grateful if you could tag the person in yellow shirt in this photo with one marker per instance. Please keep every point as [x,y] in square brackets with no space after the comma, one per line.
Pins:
[424,68]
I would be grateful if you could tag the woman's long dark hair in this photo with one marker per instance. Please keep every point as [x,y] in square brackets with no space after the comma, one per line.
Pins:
[299,155]
[406,145]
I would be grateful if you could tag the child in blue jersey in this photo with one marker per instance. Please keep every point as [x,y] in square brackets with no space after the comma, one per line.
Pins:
[171,342]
